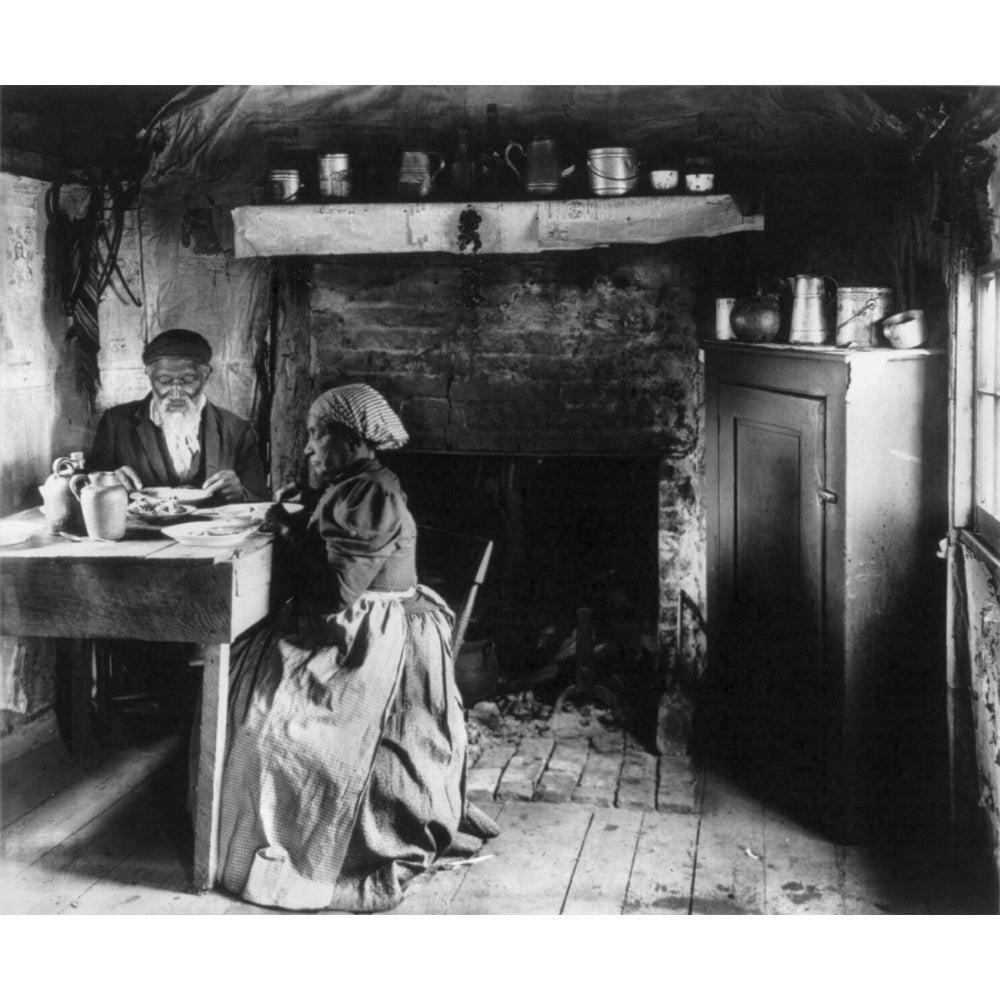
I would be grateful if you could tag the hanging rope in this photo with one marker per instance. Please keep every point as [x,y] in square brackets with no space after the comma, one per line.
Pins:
[87,259]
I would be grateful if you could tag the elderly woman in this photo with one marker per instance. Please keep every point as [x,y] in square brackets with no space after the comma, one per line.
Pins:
[345,771]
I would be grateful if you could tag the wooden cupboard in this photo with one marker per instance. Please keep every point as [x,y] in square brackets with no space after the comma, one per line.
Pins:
[825,479]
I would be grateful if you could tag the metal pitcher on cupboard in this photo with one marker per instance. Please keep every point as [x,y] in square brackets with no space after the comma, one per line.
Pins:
[811,299]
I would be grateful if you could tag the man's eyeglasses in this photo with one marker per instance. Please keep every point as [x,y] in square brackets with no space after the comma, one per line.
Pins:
[185,382]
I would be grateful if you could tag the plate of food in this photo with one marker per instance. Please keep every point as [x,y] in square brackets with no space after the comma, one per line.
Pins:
[182,494]
[155,511]
[218,533]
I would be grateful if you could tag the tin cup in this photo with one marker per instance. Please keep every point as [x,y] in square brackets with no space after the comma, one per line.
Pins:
[283,186]
[334,175]
[723,328]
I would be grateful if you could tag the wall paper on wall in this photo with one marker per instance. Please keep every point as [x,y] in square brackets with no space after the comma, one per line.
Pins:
[26,279]
[43,416]
[993,194]
[983,622]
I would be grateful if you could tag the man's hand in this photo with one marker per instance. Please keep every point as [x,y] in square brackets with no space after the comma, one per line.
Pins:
[128,477]
[226,482]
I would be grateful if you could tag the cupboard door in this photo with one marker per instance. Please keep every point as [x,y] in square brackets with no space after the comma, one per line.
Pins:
[772,469]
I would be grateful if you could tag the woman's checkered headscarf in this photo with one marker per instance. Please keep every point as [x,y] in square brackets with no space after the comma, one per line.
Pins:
[365,411]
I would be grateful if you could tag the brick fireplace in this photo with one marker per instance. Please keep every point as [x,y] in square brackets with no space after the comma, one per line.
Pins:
[559,415]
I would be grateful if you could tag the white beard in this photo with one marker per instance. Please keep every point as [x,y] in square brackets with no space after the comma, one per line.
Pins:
[181,432]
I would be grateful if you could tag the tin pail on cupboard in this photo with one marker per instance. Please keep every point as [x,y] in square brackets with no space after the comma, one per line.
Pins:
[860,312]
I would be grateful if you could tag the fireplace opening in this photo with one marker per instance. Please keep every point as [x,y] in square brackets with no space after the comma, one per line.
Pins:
[569,532]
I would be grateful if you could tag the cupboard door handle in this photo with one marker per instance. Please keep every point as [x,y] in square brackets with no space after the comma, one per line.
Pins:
[827,496]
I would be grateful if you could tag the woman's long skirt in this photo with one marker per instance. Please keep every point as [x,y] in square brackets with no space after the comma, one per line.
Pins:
[346,755]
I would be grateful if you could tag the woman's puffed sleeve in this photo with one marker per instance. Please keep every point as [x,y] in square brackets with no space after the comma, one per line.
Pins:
[360,527]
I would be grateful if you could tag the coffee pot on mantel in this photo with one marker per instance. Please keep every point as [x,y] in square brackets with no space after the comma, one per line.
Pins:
[105,504]
[544,167]
[811,300]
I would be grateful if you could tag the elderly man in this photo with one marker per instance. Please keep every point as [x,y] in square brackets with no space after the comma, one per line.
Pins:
[175,436]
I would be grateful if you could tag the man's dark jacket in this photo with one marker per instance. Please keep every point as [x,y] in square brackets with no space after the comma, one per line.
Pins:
[127,436]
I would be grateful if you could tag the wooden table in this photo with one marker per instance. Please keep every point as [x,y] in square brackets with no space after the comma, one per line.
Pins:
[147,587]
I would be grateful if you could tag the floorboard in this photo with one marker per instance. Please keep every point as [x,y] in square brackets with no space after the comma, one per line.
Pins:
[533,864]
[61,816]
[660,881]
[602,872]
[729,867]
[33,778]
[113,836]
[802,870]
[433,892]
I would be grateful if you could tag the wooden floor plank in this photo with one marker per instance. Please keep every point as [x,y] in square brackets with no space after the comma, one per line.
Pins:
[45,827]
[433,892]
[535,856]
[660,882]
[729,865]
[59,878]
[802,873]
[33,778]
[916,879]
[601,878]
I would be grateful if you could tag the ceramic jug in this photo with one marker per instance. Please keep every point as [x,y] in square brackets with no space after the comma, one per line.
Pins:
[810,323]
[104,502]
[59,505]
[416,174]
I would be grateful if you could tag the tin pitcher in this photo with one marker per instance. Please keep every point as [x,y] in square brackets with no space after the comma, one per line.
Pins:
[811,299]
[543,164]
[417,172]
[104,502]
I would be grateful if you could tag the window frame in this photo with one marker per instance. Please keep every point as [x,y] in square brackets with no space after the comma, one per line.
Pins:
[986,387]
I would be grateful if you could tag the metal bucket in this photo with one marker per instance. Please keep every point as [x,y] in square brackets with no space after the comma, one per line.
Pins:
[334,175]
[613,170]
[860,312]
[283,186]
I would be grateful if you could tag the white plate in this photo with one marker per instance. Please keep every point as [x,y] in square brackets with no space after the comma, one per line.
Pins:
[218,533]
[182,494]
[255,511]
[15,532]
[152,518]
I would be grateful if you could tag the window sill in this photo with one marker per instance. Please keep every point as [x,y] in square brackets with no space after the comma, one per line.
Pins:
[981,550]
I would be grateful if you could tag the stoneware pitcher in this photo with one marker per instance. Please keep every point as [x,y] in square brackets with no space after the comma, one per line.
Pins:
[104,502]
[811,299]
[59,504]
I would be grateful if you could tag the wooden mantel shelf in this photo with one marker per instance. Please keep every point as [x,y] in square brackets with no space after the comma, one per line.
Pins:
[506,227]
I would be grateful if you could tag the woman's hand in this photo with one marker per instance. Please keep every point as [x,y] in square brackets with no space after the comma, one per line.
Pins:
[277,521]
